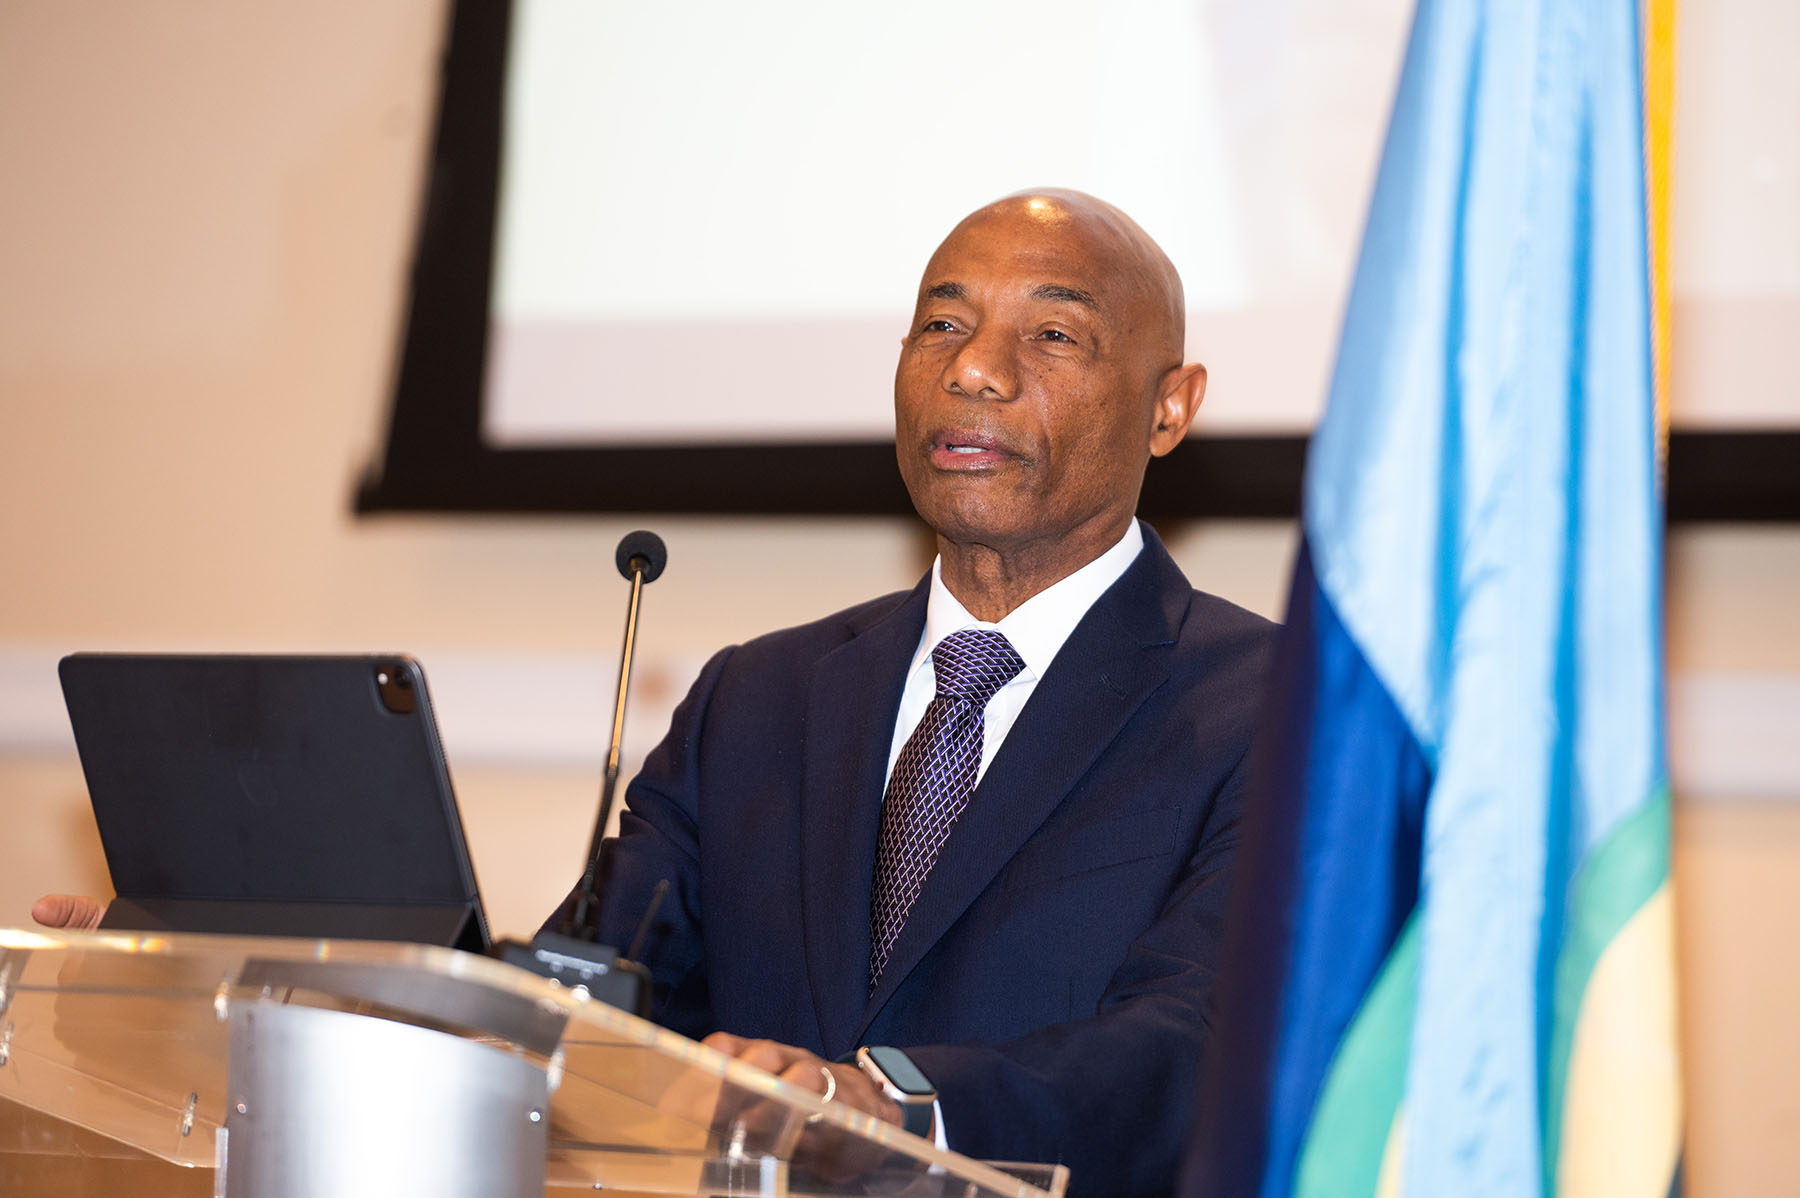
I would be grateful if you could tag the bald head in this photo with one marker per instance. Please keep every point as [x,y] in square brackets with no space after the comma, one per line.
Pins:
[1147,283]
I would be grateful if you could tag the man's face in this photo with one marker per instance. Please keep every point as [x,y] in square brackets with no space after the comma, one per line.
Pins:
[1025,397]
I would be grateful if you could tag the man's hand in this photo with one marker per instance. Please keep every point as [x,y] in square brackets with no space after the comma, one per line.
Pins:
[826,1151]
[800,1068]
[77,912]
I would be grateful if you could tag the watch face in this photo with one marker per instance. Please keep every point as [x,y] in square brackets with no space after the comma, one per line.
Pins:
[901,1072]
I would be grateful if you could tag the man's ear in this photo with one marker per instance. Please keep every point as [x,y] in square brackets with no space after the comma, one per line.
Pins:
[1176,403]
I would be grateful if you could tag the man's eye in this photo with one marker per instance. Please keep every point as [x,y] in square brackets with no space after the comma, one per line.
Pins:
[1056,335]
[936,326]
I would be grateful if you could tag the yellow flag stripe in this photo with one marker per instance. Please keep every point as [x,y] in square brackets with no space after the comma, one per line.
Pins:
[1659,90]
[1622,1113]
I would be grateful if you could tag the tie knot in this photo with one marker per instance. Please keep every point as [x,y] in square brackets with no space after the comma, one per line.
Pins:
[974,663]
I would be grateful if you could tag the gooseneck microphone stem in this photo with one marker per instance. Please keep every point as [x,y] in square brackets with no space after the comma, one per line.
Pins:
[574,956]
[610,782]
[641,557]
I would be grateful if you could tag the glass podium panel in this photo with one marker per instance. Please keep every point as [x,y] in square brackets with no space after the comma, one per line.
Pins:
[259,1061]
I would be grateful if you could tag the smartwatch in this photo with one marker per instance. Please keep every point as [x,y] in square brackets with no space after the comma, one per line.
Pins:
[895,1075]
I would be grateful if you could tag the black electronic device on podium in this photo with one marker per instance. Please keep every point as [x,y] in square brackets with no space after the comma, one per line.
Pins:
[273,795]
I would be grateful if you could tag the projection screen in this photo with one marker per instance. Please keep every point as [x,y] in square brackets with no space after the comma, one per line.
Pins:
[669,250]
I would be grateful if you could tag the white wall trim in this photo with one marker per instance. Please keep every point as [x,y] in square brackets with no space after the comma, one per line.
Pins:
[493,709]
[1732,735]
[1735,735]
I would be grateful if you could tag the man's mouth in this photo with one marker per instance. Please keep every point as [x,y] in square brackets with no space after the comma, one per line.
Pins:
[967,450]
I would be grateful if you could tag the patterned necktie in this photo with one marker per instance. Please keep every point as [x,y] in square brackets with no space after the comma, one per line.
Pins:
[933,777]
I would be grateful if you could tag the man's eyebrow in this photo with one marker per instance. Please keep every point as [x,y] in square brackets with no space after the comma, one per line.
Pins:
[945,291]
[1057,293]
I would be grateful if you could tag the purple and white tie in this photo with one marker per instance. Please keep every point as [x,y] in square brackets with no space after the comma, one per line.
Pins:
[933,777]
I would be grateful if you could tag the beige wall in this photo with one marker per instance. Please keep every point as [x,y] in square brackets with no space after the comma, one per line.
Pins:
[204,232]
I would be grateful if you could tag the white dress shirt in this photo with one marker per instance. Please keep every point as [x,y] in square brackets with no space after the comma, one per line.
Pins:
[1036,629]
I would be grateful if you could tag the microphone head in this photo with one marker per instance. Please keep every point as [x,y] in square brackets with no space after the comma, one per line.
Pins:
[648,551]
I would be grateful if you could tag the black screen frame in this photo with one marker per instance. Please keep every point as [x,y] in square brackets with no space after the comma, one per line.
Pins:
[435,458]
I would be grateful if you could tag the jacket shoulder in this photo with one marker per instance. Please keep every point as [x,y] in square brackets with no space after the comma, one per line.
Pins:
[1211,618]
[1225,652]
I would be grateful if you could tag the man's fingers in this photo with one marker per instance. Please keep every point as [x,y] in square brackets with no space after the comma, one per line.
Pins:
[726,1043]
[809,1074]
[75,911]
[798,1067]
[764,1054]
[801,1068]
[767,1054]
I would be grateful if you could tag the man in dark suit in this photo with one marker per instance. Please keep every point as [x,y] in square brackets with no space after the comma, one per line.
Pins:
[986,822]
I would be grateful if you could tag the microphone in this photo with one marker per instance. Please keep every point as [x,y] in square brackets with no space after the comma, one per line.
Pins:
[641,557]
[641,552]
[573,956]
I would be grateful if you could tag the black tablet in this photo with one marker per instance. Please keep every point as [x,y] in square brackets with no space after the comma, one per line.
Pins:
[273,796]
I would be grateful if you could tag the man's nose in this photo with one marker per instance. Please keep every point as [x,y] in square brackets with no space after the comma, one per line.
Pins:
[984,368]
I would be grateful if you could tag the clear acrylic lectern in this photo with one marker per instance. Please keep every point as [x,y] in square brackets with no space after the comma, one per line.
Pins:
[276,1068]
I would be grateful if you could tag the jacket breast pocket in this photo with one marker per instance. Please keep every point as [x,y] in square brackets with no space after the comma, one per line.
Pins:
[1101,845]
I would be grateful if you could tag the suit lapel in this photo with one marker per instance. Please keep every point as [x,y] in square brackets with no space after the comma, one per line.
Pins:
[849,732]
[1110,664]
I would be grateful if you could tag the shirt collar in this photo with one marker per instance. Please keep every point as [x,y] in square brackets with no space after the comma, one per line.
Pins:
[1038,627]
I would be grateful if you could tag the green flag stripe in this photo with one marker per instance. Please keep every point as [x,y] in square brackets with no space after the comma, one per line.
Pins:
[1617,879]
[1349,1130]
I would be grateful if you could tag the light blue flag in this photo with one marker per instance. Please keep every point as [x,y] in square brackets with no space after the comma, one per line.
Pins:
[1462,805]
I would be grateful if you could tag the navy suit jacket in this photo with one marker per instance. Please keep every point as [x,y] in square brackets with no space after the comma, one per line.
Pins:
[1054,977]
